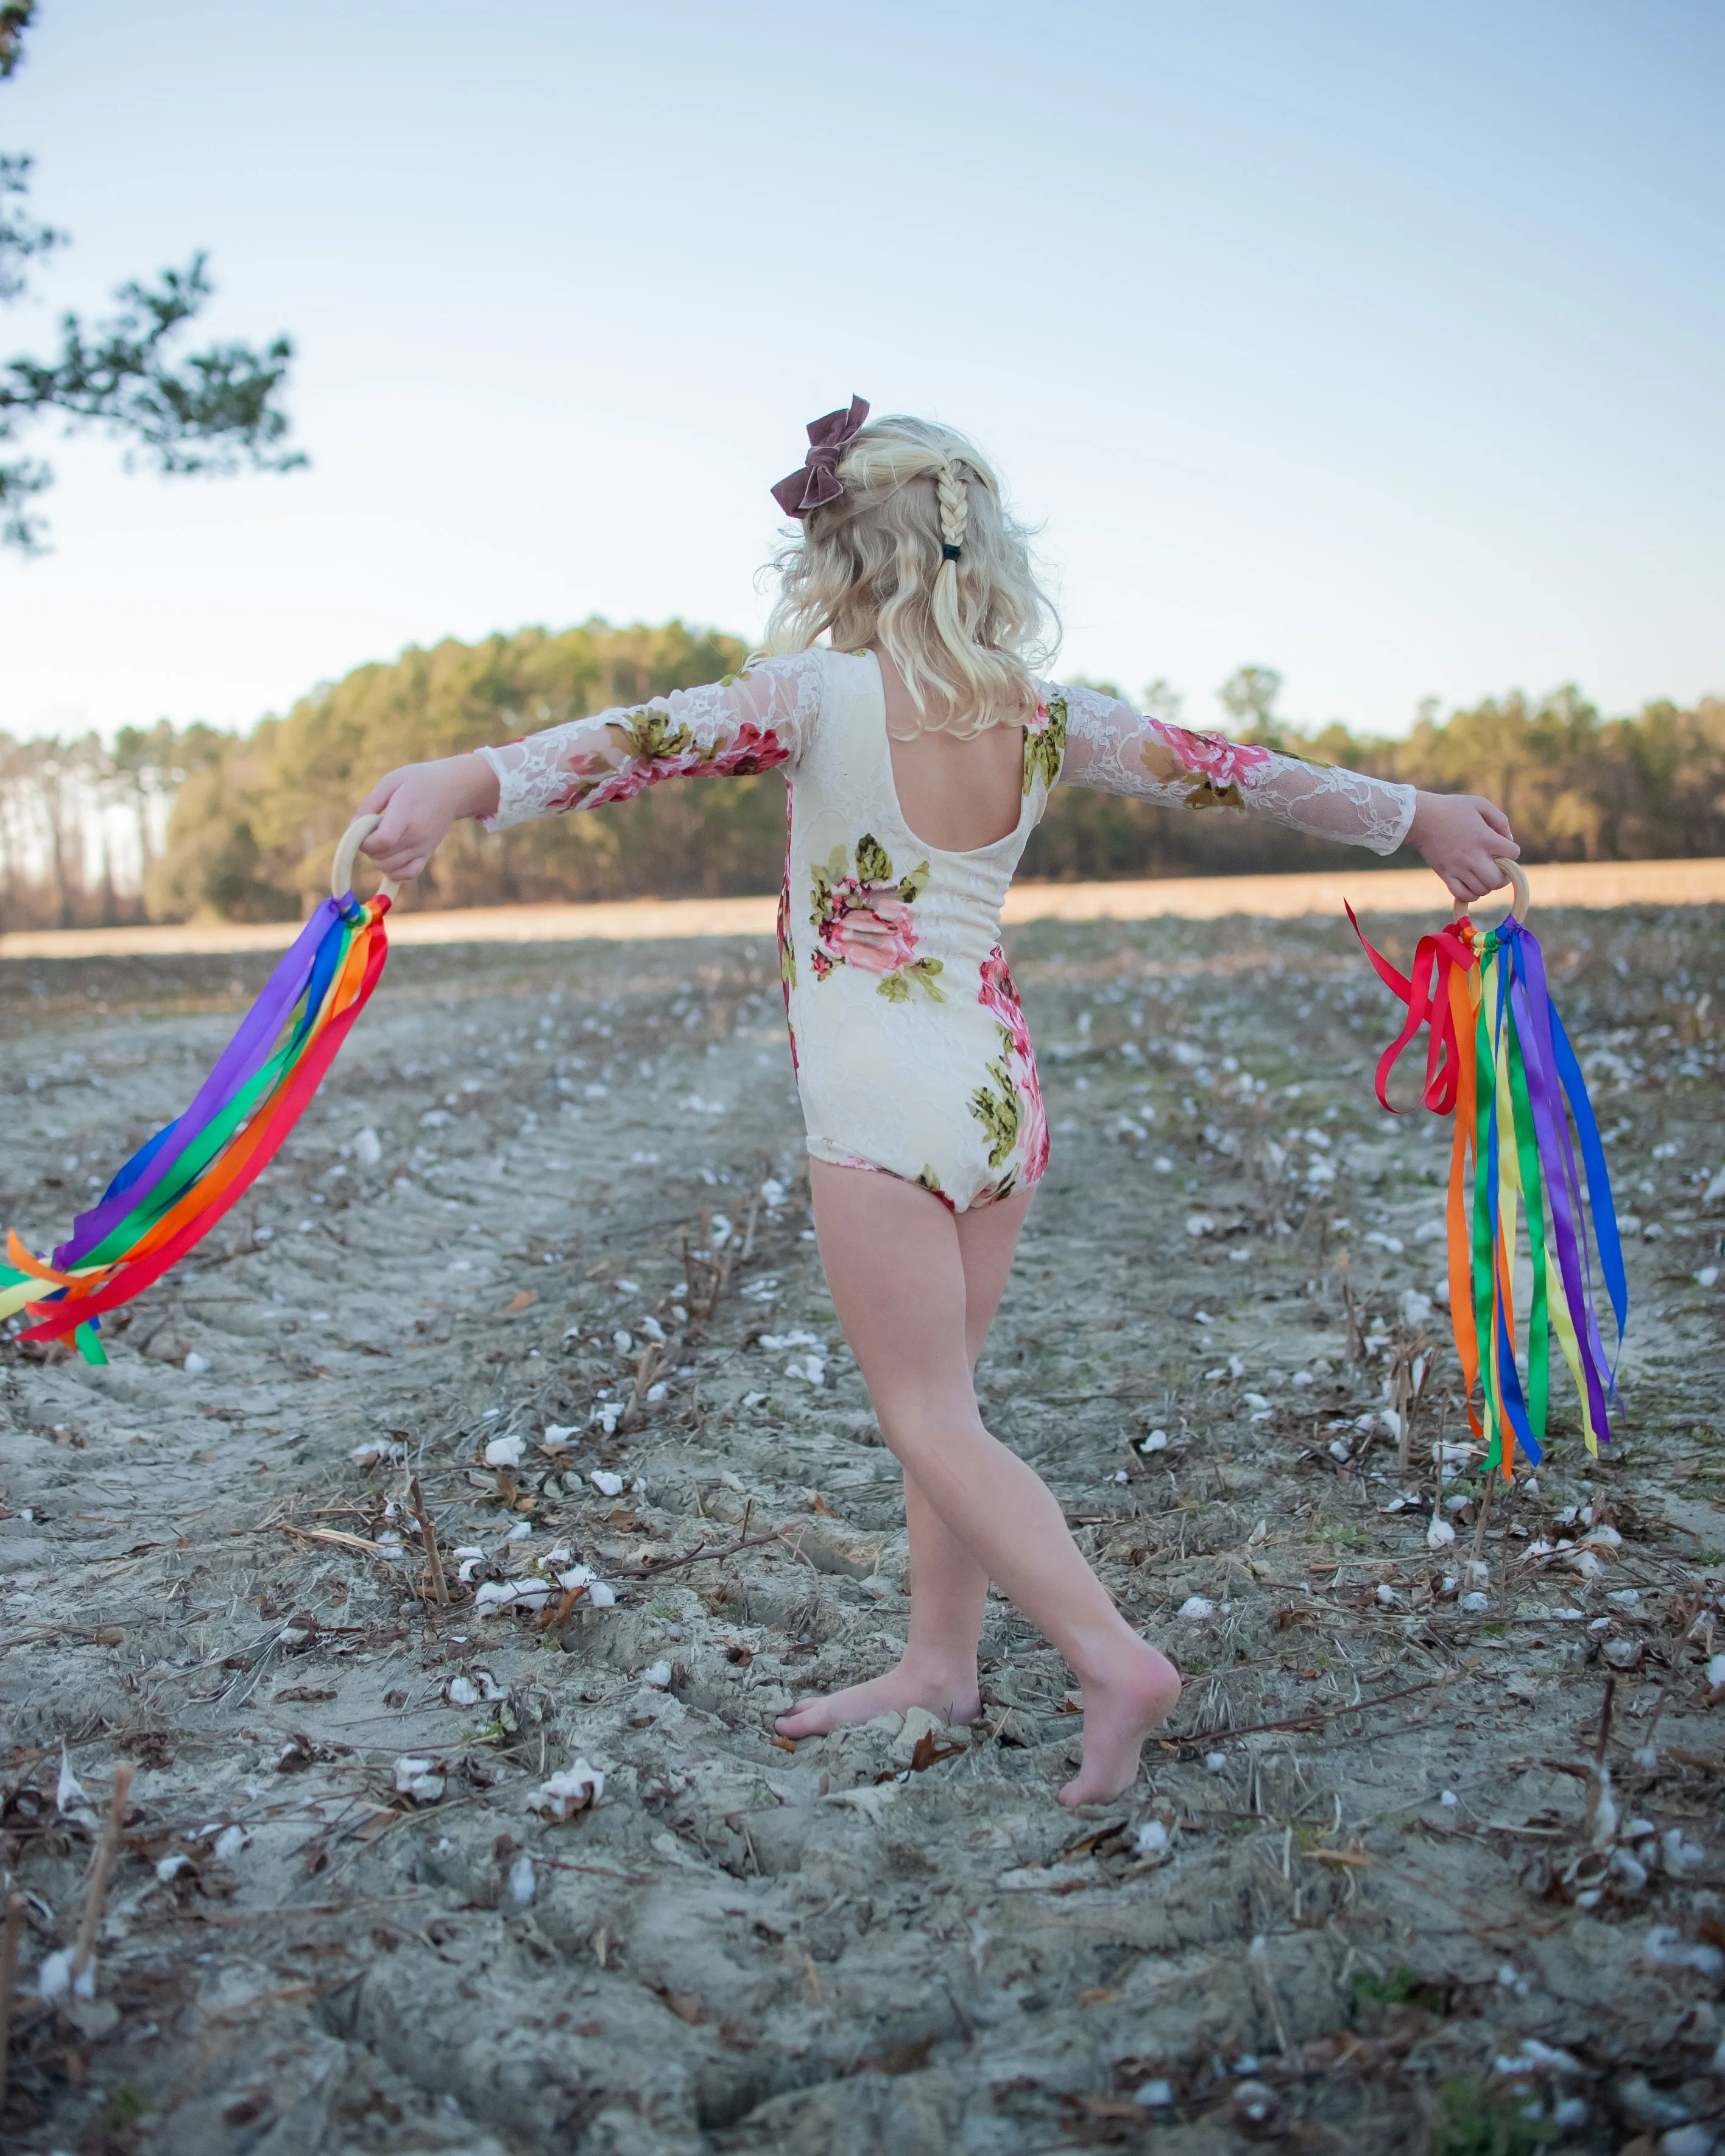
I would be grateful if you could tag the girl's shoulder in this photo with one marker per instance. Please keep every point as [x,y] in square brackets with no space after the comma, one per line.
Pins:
[816,663]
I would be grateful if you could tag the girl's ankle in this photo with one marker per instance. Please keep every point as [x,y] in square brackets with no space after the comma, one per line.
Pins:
[1134,1664]
[938,1671]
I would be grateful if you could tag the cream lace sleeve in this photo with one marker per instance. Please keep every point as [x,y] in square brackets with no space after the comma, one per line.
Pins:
[1110,746]
[748,722]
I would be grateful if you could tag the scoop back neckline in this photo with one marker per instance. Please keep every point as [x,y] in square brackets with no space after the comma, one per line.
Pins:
[947,853]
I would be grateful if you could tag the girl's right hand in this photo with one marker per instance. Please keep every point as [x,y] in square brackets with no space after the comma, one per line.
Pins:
[418,804]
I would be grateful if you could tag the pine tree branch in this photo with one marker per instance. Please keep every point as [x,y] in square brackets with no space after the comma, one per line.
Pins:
[213,411]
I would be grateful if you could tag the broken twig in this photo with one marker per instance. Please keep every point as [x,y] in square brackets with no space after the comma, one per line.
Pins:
[1356,1338]
[651,1570]
[335,1535]
[97,1896]
[1479,1532]
[427,1535]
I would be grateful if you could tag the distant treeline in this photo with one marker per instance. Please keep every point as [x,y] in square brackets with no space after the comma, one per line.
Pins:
[250,819]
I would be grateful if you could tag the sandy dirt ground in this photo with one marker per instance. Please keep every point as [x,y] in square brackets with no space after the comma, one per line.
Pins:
[1430,1859]
[1592,884]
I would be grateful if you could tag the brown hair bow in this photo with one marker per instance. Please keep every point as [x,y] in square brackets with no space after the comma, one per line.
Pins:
[816,481]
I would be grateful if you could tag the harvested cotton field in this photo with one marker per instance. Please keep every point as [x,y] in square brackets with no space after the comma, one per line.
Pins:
[493,1850]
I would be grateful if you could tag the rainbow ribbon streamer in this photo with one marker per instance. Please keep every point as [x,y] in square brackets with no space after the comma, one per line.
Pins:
[173,1190]
[1497,1058]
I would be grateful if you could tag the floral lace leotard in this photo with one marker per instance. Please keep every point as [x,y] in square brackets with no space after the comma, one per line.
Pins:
[911,1050]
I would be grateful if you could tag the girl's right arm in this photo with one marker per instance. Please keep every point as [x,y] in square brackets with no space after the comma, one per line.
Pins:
[748,722]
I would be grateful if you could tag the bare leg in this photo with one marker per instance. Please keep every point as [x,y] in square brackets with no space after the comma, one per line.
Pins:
[949,1589]
[893,1261]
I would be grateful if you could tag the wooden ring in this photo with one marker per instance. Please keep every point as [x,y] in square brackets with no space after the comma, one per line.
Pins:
[1515,876]
[342,867]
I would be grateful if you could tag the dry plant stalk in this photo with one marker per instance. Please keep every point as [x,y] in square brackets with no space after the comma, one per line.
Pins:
[9,1938]
[1406,1392]
[748,1233]
[651,1361]
[427,1535]
[1356,1338]
[714,1272]
[1479,1532]
[96,1898]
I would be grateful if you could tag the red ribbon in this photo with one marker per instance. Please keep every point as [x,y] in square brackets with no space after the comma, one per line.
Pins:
[1428,1002]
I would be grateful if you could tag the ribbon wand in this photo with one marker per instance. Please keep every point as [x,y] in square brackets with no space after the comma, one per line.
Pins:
[172,1191]
[1499,1061]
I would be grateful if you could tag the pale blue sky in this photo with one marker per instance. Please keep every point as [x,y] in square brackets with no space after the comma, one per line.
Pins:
[1379,344]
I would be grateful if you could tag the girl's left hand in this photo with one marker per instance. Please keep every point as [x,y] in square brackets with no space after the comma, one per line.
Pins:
[1463,837]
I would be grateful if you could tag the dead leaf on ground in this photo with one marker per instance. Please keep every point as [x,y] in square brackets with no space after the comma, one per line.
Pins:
[925,1753]
[1088,1843]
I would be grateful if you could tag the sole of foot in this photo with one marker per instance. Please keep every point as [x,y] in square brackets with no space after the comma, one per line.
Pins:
[895,1693]
[1117,1718]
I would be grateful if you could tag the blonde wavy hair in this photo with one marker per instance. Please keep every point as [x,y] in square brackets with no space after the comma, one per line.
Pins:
[874,567]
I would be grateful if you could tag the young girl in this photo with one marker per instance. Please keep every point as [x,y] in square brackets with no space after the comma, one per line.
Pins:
[920,751]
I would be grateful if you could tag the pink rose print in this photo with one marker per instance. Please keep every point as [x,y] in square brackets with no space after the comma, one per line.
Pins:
[999,996]
[1225,763]
[787,948]
[652,749]
[750,749]
[870,927]
[862,917]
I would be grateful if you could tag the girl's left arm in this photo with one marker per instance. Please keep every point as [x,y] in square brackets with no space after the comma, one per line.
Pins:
[1110,746]
[748,722]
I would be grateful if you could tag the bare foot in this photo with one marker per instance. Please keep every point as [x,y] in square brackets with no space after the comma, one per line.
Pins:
[955,1699]
[1117,1717]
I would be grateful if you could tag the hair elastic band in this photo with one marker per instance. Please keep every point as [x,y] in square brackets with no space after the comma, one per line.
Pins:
[949,552]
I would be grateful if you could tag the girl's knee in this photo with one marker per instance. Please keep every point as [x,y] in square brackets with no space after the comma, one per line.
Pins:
[920,1429]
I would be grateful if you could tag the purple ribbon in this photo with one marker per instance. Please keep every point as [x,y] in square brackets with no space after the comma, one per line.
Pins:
[1531,1002]
[1532,959]
[243,1056]
[816,481]
[1560,1178]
